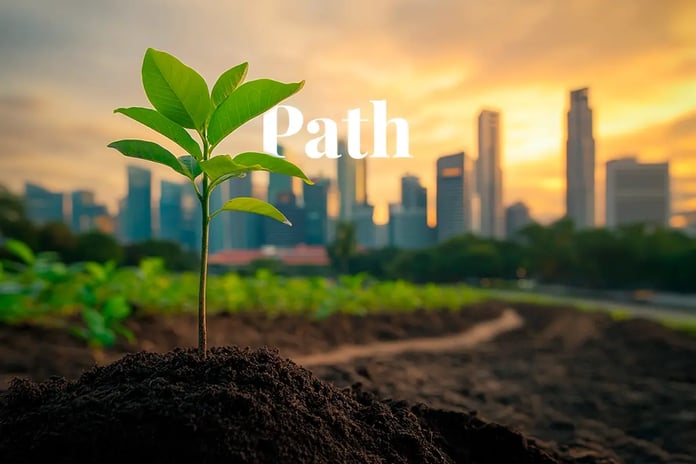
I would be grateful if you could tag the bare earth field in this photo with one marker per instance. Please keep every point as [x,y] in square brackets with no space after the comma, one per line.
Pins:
[593,389]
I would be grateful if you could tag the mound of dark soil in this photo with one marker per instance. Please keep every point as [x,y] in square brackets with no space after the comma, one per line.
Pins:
[237,405]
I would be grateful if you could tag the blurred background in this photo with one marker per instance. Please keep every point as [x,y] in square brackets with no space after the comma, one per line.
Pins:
[552,142]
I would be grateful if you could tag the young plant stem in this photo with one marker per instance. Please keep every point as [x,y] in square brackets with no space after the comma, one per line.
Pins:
[202,289]
[202,301]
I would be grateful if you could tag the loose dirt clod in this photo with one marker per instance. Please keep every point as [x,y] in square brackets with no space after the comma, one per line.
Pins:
[237,406]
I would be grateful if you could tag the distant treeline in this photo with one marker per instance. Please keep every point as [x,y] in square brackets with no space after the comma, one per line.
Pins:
[632,257]
[91,246]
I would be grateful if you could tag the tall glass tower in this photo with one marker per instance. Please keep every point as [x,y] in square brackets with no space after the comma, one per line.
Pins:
[489,178]
[580,161]
[138,205]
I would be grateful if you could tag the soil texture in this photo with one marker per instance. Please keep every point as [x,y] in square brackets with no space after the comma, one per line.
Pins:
[594,389]
[236,406]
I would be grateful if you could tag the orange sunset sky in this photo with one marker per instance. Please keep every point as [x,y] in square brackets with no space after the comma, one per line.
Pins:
[66,65]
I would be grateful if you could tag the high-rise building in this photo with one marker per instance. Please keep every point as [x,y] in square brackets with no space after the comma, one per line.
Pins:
[360,181]
[346,169]
[278,183]
[316,211]
[246,229]
[138,205]
[489,175]
[332,223]
[353,202]
[171,214]
[42,205]
[364,225]
[408,222]
[454,192]
[408,228]
[382,239]
[122,221]
[413,194]
[516,218]
[637,193]
[220,224]
[580,161]
[192,217]
[80,205]
[282,235]
[86,215]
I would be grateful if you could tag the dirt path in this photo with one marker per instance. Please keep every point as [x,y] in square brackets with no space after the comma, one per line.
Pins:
[479,333]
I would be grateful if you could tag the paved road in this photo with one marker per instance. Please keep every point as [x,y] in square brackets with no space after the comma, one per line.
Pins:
[638,310]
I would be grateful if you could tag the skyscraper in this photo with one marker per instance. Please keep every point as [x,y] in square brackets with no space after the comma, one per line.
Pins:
[278,183]
[580,161]
[43,205]
[138,204]
[171,215]
[220,224]
[360,181]
[192,217]
[637,193]
[81,202]
[85,213]
[413,194]
[489,175]
[516,217]
[454,192]
[245,229]
[346,170]
[316,211]
[363,214]
[408,221]
[122,221]
[353,202]
[282,235]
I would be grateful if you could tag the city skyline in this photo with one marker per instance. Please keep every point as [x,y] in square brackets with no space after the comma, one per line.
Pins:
[636,192]
[438,77]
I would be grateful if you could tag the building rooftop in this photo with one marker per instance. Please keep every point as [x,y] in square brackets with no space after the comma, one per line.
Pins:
[301,255]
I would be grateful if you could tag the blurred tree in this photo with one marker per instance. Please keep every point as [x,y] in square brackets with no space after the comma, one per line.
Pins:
[375,263]
[174,256]
[415,266]
[275,266]
[99,247]
[343,248]
[551,251]
[57,237]
[13,219]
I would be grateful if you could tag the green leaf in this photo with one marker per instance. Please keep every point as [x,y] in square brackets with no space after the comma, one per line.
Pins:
[165,126]
[96,270]
[104,338]
[245,103]
[151,267]
[125,332]
[20,250]
[175,90]
[93,319]
[254,205]
[227,82]
[116,308]
[222,165]
[152,152]
[190,163]
[87,295]
[270,163]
